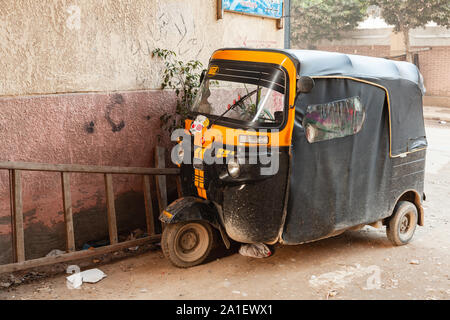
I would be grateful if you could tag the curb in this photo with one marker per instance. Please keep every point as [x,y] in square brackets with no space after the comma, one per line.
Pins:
[437,119]
[436,113]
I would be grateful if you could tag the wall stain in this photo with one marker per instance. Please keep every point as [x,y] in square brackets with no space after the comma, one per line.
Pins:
[5,220]
[27,217]
[89,127]
[116,100]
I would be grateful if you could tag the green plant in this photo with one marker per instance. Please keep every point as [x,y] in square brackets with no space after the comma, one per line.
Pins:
[184,79]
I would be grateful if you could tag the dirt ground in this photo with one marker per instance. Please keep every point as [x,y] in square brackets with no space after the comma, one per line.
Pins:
[355,265]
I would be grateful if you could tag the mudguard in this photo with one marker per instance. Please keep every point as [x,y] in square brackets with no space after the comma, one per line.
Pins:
[189,209]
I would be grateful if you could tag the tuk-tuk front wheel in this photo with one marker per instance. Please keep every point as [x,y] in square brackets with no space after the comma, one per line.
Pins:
[402,224]
[187,244]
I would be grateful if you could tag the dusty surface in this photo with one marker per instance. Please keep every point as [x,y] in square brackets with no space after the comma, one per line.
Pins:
[56,46]
[343,267]
[437,113]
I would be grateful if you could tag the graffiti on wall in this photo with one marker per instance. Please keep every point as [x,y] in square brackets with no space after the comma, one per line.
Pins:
[183,29]
[186,38]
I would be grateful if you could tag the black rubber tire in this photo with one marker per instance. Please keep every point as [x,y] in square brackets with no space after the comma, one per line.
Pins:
[402,224]
[172,237]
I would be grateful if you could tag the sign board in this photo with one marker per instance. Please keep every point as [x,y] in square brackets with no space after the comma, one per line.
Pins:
[264,8]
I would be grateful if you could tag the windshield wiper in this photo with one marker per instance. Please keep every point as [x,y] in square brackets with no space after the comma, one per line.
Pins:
[234,105]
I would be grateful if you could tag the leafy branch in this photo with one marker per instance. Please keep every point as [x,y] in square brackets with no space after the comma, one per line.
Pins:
[406,15]
[316,20]
[184,78]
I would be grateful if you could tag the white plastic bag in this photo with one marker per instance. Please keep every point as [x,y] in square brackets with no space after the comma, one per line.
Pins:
[255,250]
[91,276]
[55,252]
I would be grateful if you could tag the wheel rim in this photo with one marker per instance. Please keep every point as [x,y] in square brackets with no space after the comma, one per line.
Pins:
[406,225]
[191,242]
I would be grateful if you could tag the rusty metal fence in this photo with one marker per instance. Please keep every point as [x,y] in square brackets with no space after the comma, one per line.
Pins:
[17,222]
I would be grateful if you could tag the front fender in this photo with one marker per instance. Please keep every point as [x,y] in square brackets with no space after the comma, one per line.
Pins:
[189,209]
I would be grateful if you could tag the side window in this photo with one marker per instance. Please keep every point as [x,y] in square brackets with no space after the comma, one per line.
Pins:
[333,119]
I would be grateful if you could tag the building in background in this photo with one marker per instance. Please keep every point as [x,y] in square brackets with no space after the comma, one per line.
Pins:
[431,47]
[78,85]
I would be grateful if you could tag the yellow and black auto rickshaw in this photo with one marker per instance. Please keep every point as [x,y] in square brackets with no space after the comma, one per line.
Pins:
[293,146]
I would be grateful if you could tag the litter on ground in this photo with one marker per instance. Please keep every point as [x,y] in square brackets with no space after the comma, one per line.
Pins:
[255,250]
[90,276]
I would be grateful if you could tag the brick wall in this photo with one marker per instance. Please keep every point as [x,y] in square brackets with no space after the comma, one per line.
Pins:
[435,68]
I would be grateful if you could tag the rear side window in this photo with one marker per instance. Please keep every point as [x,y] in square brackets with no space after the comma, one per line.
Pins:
[335,119]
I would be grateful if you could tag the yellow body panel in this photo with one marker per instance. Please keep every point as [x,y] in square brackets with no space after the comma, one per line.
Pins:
[230,136]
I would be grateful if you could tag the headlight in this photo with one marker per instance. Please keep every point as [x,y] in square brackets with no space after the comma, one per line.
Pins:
[234,168]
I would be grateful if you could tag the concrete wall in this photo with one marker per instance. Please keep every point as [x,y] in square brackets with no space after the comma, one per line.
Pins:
[78,85]
[72,46]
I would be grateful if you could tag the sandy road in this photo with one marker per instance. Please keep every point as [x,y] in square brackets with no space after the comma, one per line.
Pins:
[355,265]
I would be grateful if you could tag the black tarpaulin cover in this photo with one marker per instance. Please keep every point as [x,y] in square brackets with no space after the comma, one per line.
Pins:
[342,182]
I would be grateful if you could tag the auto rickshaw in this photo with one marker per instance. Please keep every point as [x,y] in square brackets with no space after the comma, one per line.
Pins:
[293,146]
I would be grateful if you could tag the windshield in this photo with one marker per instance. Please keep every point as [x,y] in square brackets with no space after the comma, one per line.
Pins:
[254,95]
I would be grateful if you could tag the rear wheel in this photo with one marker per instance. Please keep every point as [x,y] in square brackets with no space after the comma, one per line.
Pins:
[402,224]
[187,244]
